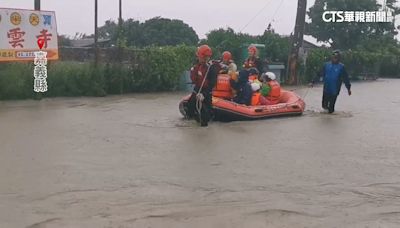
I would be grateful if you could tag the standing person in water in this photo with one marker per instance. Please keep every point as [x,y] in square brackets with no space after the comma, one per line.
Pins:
[253,62]
[334,74]
[203,76]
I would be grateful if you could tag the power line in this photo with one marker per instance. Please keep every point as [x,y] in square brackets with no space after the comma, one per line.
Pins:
[276,11]
[255,16]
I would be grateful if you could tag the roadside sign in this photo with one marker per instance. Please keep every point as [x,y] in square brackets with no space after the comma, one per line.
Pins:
[20,30]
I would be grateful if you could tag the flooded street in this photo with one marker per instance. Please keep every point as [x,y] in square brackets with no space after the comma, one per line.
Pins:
[132,161]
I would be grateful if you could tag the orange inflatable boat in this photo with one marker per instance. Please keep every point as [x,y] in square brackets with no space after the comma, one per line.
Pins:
[225,109]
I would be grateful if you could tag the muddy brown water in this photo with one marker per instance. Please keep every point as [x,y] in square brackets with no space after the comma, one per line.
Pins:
[132,161]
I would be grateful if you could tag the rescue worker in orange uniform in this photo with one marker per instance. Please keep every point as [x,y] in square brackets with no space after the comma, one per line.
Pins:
[229,66]
[271,89]
[257,98]
[203,76]
[253,62]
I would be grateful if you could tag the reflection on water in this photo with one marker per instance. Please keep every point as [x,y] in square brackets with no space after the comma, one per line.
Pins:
[133,161]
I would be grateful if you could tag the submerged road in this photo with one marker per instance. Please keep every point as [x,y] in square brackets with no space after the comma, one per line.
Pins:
[132,161]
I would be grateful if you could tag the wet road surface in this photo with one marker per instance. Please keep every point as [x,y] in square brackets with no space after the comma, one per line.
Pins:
[132,161]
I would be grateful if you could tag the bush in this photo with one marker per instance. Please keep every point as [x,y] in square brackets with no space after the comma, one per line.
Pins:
[357,63]
[149,70]
[16,80]
[315,60]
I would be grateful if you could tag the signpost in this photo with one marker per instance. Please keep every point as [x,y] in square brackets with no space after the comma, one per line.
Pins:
[21,29]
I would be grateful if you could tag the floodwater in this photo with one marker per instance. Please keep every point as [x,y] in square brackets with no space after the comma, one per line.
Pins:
[132,161]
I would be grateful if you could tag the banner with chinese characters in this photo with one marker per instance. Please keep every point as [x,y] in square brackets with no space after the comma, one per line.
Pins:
[19,33]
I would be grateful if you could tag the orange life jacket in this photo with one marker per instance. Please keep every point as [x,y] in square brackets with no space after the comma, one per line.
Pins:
[275,92]
[198,73]
[223,87]
[250,63]
[255,100]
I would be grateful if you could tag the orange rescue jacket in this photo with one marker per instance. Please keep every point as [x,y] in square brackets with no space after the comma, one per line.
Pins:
[255,100]
[275,92]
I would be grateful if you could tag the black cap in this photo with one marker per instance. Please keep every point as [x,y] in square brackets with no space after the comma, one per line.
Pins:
[336,53]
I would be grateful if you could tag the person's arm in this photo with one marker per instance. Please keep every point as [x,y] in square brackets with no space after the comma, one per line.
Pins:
[193,72]
[346,80]
[213,74]
[247,94]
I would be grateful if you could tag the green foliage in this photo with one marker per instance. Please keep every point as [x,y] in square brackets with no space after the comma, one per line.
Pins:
[162,32]
[315,60]
[277,47]
[151,69]
[16,80]
[357,63]
[160,68]
[64,41]
[74,79]
[156,31]
[228,40]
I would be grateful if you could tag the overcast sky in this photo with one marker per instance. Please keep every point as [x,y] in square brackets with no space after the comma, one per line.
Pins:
[203,15]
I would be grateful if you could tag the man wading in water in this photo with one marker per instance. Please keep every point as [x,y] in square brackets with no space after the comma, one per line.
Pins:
[334,74]
[203,75]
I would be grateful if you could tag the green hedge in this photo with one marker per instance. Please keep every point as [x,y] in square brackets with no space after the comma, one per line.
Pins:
[357,63]
[152,69]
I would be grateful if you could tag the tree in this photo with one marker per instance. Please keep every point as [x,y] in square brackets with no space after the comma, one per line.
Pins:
[161,32]
[64,41]
[227,40]
[132,32]
[108,31]
[346,35]
[156,31]
[277,47]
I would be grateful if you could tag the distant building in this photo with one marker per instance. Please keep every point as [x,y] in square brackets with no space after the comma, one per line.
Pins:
[89,42]
[306,48]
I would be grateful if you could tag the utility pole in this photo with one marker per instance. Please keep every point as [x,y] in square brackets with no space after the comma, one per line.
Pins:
[120,12]
[120,50]
[297,41]
[96,48]
[119,39]
[37,4]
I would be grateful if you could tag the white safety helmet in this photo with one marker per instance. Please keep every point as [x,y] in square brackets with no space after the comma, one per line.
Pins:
[255,87]
[271,75]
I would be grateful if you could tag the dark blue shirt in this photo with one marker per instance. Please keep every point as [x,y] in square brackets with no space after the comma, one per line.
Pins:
[333,77]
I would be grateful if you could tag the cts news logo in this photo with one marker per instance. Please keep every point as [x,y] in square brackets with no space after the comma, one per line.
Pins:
[357,16]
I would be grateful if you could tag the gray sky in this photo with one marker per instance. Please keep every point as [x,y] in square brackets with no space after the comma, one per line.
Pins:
[77,15]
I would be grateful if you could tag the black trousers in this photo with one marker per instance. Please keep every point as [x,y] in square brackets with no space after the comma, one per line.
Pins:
[328,102]
[206,108]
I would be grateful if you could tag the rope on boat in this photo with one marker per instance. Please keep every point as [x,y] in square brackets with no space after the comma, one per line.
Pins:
[199,96]
[305,95]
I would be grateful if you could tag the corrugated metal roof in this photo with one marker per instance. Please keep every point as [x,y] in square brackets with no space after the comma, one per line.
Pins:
[86,42]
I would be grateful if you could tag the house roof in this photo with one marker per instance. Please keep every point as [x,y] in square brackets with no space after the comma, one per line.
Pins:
[309,44]
[87,42]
